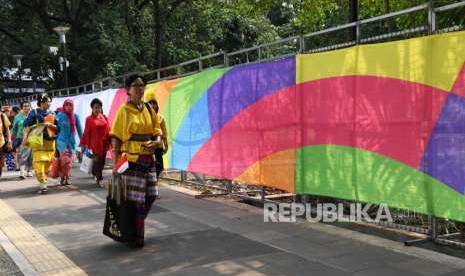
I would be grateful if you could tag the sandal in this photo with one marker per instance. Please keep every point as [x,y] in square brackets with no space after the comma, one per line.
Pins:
[100,184]
[64,181]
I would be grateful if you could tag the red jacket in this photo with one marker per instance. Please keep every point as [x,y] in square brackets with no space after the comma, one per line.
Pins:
[96,133]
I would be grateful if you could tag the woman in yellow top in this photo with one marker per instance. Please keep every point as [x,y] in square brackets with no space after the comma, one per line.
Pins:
[150,99]
[135,134]
[42,155]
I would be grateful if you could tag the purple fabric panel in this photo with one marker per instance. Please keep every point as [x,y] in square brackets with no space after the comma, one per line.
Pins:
[243,85]
[444,158]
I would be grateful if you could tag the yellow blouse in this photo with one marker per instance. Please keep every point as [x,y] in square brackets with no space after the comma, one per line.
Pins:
[128,121]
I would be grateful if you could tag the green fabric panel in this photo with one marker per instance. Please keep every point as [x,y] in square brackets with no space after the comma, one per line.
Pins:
[355,174]
[185,93]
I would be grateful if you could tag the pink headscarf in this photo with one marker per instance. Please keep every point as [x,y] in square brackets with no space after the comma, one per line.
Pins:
[70,114]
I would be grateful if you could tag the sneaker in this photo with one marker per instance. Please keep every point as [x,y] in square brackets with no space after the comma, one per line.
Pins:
[29,174]
[22,177]
[43,191]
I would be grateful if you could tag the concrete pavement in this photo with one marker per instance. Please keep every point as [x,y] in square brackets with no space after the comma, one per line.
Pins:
[188,236]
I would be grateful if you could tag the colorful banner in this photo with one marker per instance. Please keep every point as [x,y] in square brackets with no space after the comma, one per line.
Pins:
[379,123]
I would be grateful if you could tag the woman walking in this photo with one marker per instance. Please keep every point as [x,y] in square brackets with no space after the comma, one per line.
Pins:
[68,125]
[135,134]
[42,155]
[159,152]
[96,138]
[24,153]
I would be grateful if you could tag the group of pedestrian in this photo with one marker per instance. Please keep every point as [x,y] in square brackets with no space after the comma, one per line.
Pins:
[138,138]
[12,154]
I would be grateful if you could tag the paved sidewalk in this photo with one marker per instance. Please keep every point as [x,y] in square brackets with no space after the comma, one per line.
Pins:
[188,236]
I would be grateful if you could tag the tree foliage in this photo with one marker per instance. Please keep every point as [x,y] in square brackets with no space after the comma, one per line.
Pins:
[110,37]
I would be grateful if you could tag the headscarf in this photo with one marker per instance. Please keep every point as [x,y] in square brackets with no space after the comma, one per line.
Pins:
[70,114]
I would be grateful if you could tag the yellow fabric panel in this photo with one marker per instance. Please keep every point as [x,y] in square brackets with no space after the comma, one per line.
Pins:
[276,170]
[433,60]
[447,59]
[128,121]
[406,60]
[324,65]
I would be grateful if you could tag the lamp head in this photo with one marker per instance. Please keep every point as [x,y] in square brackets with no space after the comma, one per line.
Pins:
[61,31]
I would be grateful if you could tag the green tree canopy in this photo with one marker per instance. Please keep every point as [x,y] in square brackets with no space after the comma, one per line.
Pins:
[109,37]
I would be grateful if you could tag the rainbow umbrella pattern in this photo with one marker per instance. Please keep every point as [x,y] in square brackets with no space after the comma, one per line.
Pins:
[380,123]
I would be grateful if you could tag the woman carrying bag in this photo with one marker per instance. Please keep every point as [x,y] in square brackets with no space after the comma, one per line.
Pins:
[96,138]
[68,125]
[41,139]
[134,136]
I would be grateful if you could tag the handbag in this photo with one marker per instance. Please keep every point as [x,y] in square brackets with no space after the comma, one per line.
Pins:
[54,171]
[86,164]
[120,219]
[10,162]
[35,137]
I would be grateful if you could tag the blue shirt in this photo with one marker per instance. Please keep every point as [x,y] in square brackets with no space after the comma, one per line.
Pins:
[66,139]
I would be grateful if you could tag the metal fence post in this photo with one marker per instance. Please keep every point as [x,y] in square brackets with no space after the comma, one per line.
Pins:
[301,44]
[357,32]
[304,200]
[229,187]
[226,59]
[183,176]
[431,18]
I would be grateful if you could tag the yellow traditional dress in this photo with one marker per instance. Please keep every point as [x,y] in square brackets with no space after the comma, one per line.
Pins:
[134,127]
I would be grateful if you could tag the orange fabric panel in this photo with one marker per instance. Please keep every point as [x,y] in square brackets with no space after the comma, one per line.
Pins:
[163,92]
[276,170]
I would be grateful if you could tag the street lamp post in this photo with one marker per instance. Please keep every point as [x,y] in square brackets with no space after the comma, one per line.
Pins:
[61,31]
[18,63]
